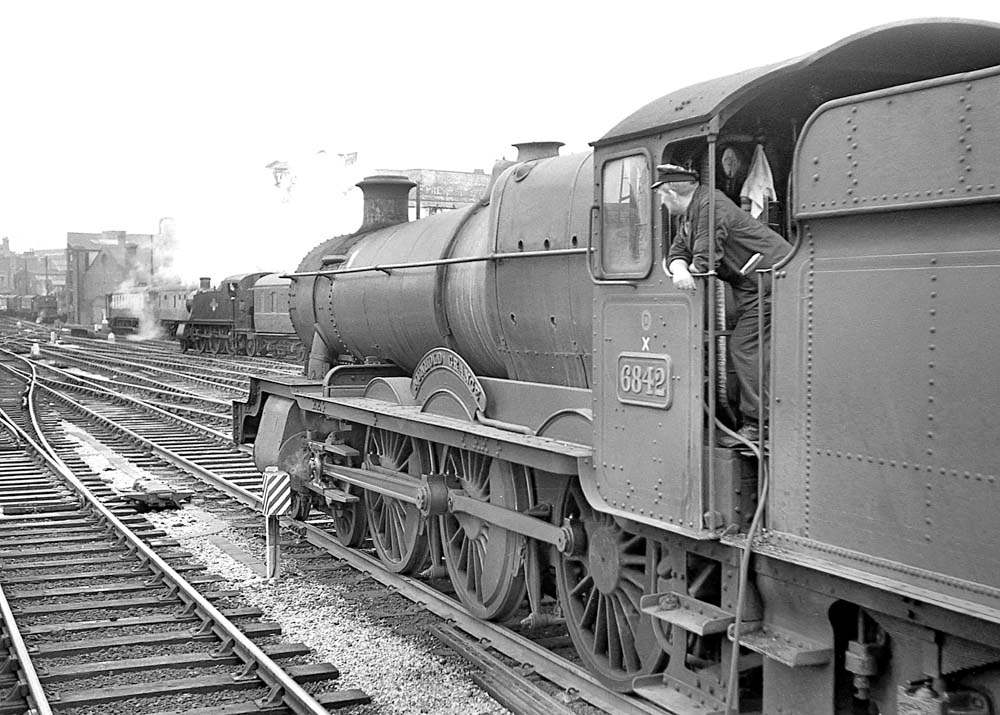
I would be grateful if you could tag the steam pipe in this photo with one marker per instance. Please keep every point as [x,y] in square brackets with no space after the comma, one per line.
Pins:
[710,293]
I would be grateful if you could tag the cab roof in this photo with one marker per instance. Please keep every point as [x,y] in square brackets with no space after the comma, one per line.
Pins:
[883,56]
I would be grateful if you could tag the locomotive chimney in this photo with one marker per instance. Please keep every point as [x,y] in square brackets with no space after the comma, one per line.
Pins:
[530,151]
[204,283]
[387,200]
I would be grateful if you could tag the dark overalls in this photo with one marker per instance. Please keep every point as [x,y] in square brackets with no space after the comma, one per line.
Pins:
[738,236]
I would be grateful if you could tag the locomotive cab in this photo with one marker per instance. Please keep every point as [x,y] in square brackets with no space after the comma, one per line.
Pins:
[662,383]
[661,372]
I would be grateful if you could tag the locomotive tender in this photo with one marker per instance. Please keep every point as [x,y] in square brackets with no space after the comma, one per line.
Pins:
[514,393]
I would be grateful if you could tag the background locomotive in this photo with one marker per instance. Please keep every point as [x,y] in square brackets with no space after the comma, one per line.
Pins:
[476,401]
[246,315]
[34,308]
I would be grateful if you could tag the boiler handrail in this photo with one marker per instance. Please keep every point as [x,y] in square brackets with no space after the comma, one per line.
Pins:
[387,267]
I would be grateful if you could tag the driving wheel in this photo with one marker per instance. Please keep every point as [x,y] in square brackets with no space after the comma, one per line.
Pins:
[599,591]
[397,529]
[484,560]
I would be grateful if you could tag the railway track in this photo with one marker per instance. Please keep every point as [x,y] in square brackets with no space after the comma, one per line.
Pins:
[169,351]
[135,363]
[105,614]
[209,456]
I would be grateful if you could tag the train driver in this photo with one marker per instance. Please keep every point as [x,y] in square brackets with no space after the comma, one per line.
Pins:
[742,245]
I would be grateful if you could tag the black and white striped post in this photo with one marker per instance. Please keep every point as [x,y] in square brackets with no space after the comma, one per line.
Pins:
[277,500]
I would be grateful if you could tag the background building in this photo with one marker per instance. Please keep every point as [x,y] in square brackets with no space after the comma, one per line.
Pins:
[438,190]
[98,264]
[33,272]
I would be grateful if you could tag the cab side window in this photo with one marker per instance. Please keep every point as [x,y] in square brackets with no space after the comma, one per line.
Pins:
[626,239]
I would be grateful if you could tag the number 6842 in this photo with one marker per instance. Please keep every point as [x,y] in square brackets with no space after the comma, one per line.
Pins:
[645,380]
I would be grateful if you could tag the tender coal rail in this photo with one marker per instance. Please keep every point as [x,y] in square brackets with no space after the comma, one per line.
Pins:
[109,622]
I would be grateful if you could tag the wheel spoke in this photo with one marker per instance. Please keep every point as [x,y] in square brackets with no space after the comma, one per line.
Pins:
[477,572]
[395,531]
[590,609]
[464,564]
[633,560]
[600,625]
[631,590]
[626,633]
[585,582]
[613,621]
[633,578]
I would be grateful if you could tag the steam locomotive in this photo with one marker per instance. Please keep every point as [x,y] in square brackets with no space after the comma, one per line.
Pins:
[246,315]
[515,392]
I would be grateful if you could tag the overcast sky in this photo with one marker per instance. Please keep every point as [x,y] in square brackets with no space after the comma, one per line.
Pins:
[116,114]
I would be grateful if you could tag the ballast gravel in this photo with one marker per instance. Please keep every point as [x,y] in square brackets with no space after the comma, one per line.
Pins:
[403,674]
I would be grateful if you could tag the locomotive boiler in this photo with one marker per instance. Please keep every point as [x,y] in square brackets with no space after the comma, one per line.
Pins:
[515,395]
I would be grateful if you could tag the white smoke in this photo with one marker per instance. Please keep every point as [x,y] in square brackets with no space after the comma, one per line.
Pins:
[132,299]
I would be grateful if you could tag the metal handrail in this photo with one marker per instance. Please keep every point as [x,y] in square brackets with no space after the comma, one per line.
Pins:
[268,671]
[387,267]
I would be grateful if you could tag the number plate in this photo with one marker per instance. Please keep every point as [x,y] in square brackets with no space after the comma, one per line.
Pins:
[644,379]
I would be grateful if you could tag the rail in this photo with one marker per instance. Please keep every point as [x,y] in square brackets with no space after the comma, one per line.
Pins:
[257,662]
[226,383]
[125,398]
[29,684]
[241,495]
[547,664]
